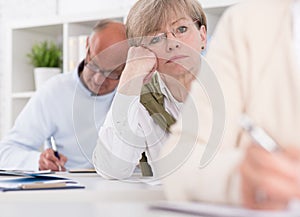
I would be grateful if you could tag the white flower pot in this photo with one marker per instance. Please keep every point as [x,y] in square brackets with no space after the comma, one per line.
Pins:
[42,74]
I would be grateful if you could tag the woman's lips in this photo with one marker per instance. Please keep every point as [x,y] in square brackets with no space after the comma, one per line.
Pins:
[174,58]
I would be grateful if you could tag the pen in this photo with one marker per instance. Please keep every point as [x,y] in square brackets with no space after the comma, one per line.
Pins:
[259,135]
[54,147]
[40,185]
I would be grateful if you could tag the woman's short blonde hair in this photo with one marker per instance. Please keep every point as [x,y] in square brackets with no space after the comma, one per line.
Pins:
[148,16]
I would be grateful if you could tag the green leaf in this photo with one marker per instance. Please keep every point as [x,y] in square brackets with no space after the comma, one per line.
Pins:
[45,54]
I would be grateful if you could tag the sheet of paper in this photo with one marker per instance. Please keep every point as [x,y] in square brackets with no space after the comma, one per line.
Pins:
[24,172]
[40,181]
[213,210]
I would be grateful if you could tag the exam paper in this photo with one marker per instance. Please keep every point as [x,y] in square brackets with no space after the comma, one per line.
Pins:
[24,172]
[40,181]
[213,210]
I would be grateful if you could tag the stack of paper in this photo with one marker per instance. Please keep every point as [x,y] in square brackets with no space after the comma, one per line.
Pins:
[35,181]
[24,172]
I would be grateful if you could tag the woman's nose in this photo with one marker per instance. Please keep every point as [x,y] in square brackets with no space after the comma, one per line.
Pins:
[172,42]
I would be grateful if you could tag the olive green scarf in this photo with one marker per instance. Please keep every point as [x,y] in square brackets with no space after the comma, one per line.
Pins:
[153,100]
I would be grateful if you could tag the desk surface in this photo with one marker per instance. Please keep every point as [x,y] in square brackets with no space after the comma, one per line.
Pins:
[107,198]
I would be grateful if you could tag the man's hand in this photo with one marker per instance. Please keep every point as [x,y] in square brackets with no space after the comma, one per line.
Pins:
[49,161]
[270,180]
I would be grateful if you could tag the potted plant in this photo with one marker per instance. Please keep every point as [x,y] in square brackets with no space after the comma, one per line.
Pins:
[46,57]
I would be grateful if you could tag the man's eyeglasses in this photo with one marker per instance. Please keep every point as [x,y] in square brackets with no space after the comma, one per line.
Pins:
[110,74]
[179,32]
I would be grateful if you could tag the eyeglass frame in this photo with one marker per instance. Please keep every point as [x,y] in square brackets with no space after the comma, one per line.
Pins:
[164,35]
[96,69]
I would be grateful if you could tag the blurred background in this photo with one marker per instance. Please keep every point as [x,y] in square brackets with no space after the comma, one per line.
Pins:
[24,23]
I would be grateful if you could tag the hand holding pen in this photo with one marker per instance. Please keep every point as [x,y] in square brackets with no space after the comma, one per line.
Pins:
[259,135]
[270,175]
[51,159]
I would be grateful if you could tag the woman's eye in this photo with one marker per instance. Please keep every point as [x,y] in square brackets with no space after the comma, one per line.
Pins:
[182,29]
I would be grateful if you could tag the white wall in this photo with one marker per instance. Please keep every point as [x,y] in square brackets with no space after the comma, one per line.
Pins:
[3,90]
[11,11]
[24,9]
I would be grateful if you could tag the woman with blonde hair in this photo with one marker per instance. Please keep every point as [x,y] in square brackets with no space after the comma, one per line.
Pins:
[166,38]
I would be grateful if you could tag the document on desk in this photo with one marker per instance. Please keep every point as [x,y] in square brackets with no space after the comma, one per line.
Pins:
[23,172]
[212,210]
[38,182]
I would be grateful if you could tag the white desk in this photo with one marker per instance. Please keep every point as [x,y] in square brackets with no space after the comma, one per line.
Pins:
[107,198]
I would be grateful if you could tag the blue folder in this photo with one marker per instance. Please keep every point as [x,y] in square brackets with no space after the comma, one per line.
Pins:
[38,182]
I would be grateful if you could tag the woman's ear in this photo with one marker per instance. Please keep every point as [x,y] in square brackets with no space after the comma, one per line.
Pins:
[203,36]
[87,42]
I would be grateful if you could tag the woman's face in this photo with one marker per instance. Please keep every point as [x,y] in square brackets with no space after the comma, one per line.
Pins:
[177,46]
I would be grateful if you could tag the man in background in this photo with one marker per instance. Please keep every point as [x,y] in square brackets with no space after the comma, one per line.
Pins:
[70,107]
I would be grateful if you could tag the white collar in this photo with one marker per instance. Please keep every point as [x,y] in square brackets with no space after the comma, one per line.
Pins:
[165,90]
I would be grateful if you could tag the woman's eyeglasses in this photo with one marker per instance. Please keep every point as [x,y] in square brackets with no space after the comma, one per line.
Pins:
[179,32]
